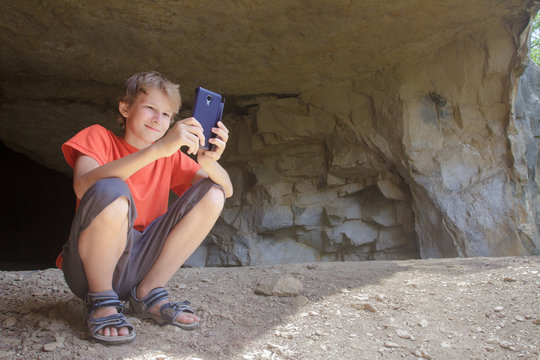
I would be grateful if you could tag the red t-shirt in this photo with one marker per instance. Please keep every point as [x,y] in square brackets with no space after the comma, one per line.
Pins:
[150,185]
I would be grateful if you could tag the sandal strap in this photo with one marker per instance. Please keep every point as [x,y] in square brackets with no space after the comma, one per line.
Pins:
[154,297]
[103,299]
[171,310]
[115,320]
[168,312]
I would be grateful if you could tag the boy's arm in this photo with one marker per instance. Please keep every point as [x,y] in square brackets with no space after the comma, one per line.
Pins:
[87,171]
[208,159]
[218,175]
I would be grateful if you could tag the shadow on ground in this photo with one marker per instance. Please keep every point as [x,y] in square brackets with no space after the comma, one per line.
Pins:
[40,310]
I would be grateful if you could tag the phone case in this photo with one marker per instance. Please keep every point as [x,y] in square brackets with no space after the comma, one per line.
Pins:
[208,109]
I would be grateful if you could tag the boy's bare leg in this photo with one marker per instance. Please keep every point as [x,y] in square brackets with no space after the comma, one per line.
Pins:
[100,246]
[182,241]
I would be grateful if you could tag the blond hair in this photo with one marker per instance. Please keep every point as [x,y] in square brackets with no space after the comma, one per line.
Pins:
[139,83]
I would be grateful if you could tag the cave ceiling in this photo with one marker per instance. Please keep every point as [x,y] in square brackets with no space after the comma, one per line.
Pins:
[63,52]
[238,47]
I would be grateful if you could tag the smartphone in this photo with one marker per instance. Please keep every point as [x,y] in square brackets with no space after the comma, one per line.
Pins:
[207,109]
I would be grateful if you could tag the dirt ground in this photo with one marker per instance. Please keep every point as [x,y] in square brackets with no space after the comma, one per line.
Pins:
[476,308]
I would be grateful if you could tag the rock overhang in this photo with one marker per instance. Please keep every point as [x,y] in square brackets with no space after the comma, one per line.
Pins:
[240,48]
[331,103]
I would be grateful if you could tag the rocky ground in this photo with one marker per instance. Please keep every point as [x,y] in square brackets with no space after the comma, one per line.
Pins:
[477,308]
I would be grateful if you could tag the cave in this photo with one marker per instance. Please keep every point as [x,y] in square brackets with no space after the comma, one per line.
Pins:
[361,130]
[37,207]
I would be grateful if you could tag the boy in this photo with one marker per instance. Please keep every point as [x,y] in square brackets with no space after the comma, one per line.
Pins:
[124,243]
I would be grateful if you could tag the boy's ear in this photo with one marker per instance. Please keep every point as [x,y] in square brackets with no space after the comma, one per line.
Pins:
[123,107]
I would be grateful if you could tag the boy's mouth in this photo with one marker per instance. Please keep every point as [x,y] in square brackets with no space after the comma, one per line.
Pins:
[151,128]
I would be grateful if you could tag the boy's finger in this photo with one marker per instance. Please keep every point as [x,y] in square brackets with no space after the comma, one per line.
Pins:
[221,133]
[192,121]
[198,133]
[217,141]
[222,126]
[219,145]
[201,138]
[192,143]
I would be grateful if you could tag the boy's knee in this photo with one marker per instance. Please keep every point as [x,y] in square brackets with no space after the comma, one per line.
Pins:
[116,211]
[113,192]
[109,190]
[215,198]
[108,187]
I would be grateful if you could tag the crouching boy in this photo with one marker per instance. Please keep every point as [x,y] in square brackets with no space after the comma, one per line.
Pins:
[125,243]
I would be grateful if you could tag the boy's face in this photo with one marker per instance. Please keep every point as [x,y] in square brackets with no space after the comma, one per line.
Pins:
[147,119]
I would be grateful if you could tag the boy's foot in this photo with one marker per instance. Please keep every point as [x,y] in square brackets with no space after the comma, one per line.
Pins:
[110,330]
[183,318]
[105,321]
[156,306]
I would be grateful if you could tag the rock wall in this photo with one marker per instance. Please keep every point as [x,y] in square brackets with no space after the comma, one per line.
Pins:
[465,149]
[433,159]
[308,186]
[524,135]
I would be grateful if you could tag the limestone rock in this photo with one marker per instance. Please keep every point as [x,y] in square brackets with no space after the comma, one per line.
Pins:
[380,212]
[198,258]
[10,321]
[355,232]
[290,120]
[50,346]
[393,237]
[286,250]
[391,190]
[310,216]
[276,218]
[284,286]
[458,171]
[340,209]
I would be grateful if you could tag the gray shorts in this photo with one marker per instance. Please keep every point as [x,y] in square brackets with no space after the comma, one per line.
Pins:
[142,248]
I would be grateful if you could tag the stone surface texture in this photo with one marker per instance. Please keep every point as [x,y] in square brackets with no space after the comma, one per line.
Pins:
[360,130]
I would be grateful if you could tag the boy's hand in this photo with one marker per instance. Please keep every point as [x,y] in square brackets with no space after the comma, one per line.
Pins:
[187,132]
[205,157]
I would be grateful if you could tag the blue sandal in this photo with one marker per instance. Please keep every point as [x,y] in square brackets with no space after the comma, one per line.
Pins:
[168,311]
[105,299]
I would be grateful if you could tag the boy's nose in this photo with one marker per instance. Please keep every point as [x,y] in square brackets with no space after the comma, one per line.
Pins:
[157,118]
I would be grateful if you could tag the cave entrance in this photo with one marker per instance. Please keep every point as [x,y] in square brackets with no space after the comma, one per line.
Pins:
[36,212]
